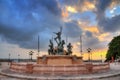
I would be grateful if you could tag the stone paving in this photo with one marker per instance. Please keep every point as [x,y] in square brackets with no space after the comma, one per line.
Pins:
[113,74]
[9,78]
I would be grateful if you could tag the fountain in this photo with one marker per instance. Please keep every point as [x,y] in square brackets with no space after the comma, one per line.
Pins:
[58,62]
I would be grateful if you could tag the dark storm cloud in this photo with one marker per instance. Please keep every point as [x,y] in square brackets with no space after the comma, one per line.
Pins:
[90,41]
[107,24]
[28,5]
[71,2]
[102,5]
[52,6]
[88,34]
[111,25]
[72,29]
[22,20]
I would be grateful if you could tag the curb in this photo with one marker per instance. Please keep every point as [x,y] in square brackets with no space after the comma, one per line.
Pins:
[59,77]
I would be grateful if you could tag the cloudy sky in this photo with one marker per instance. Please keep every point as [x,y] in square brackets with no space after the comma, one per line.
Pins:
[21,21]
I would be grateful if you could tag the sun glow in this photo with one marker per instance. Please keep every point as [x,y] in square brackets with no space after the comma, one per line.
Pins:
[71,9]
[86,6]
[89,5]
[64,13]
[102,37]
[94,55]
[92,29]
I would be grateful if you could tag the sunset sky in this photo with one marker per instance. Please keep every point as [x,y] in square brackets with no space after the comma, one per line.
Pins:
[21,21]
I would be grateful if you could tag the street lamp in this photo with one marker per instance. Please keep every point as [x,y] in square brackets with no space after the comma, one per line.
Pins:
[18,57]
[101,57]
[31,53]
[89,50]
[9,59]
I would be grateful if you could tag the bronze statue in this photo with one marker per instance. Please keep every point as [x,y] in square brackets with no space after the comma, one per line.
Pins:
[51,50]
[69,49]
[59,49]
[58,37]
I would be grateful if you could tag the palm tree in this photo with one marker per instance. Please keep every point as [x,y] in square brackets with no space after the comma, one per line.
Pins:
[113,49]
[31,54]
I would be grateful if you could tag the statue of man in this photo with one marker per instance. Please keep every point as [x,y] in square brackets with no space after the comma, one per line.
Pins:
[50,51]
[61,47]
[58,37]
[69,49]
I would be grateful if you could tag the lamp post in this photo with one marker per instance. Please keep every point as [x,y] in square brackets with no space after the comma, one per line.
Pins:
[101,58]
[89,50]
[18,57]
[9,58]
[81,45]
[31,53]
[91,57]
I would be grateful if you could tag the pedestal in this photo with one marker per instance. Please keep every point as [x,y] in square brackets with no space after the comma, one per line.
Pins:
[59,60]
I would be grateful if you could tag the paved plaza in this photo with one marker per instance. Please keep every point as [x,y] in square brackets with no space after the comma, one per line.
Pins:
[112,74]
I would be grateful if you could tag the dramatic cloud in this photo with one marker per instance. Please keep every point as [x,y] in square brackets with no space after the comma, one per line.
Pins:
[91,41]
[21,21]
[33,18]
[107,24]
[92,29]
[110,24]
[72,29]
[79,5]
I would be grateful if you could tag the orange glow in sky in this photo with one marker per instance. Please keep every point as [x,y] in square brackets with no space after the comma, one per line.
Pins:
[89,5]
[92,29]
[64,13]
[94,55]
[71,9]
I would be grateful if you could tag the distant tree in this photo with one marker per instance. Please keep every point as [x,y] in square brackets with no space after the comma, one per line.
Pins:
[113,49]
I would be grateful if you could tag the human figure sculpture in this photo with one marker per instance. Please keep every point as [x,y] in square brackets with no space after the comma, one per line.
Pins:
[61,47]
[58,37]
[69,49]
[51,50]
